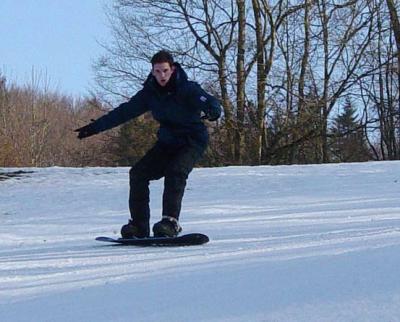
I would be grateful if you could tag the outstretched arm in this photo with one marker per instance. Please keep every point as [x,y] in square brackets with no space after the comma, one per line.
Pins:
[126,111]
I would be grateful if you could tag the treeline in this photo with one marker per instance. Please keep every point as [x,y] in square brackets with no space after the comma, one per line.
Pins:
[37,128]
[285,71]
[300,82]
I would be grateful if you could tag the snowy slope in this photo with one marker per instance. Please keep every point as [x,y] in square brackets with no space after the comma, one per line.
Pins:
[288,243]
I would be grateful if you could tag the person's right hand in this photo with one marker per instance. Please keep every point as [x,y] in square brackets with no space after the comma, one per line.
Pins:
[86,131]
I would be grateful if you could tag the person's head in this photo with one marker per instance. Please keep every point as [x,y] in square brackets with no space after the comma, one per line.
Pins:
[162,67]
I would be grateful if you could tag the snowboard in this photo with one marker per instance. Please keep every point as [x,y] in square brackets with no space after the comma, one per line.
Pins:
[183,240]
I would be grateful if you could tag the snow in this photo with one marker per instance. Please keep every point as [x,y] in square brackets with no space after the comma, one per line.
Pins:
[287,243]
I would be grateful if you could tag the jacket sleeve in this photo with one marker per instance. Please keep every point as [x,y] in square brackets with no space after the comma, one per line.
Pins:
[205,102]
[135,107]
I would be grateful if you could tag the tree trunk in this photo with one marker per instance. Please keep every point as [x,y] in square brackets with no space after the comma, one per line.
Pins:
[324,111]
[226,104]
[239,142]
[394,19]
[303,69]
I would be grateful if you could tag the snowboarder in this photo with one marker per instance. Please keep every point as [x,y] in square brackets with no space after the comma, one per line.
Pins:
[179,105]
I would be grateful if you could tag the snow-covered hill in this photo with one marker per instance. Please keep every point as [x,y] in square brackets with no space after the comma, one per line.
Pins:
[288,243]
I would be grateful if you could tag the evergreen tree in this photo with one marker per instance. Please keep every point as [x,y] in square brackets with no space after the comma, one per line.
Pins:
[347,137]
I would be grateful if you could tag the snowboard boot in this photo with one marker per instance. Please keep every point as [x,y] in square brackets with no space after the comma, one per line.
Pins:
[135,230]
[167,227]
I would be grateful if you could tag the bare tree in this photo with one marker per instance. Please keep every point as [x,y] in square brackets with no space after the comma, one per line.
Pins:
[241,80]
[380,91]
[394,18]
[345,35]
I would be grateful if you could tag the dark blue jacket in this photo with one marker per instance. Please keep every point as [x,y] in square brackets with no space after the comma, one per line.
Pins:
[178,111]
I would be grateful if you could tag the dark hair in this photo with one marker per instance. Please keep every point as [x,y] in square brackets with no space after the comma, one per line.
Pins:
[162,56]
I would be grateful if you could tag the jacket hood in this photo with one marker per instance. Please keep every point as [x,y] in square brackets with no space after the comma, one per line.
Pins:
[179,74]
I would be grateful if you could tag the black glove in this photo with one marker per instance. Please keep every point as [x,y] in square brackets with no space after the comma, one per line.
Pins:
[86,131]
[211,114]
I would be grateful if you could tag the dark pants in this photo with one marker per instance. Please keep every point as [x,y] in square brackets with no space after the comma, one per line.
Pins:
[172,164]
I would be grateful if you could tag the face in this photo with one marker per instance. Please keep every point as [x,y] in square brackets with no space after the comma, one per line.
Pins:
[162,72]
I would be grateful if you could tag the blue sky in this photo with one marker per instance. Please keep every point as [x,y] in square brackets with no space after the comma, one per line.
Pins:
[56,38]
